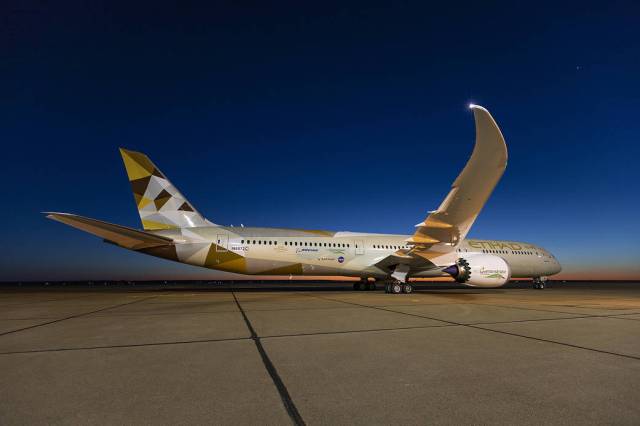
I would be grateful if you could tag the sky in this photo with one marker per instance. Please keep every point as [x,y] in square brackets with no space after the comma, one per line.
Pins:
[338,116]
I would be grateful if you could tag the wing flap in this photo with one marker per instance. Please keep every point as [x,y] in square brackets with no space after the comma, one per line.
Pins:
[121,235]
[411,260]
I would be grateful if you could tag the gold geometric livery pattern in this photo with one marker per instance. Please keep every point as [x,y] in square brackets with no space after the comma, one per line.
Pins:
[160,204]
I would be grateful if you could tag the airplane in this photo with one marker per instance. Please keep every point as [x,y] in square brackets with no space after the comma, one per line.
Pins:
[173,229]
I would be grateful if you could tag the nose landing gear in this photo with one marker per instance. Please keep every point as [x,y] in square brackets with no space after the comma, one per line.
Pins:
[539,283]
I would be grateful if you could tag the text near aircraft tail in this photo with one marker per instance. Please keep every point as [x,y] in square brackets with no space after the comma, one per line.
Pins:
[160,204]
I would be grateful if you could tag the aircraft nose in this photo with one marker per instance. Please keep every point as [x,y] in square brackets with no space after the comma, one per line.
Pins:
[556,265]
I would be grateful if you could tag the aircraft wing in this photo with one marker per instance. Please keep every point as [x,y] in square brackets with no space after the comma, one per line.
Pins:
[404,257]
[121,235]
[450,223]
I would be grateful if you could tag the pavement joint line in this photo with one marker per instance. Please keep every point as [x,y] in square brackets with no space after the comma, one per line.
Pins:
[535,320]
[323,333]
[230,339]
[297,309]
[4,305]
[558,343]
[626,319]
[477,327]
[73,316]
[289,405]
[549,310]
[575,315]
[132,345]
[144,314]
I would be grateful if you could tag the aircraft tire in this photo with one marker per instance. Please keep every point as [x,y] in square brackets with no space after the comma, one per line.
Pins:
[407,288]
[396,288]
[387,288]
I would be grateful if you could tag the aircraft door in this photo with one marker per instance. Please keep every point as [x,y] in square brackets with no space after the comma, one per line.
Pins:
[359,246]
[221,243]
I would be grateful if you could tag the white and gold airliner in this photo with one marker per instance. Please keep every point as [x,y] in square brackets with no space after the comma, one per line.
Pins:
[175,230]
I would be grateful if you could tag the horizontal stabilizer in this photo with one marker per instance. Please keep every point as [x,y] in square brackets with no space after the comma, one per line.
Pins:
[121,235]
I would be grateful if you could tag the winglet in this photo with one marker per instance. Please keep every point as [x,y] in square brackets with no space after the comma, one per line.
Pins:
[451,222]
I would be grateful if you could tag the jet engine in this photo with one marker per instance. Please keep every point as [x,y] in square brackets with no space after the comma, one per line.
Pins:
[480,270]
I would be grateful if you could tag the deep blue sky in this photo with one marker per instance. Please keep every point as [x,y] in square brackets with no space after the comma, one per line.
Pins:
[329,116]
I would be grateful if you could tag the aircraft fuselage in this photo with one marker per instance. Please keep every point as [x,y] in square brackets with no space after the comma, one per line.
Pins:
[275,251]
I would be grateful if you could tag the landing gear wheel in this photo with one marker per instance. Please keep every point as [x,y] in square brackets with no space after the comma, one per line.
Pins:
[396,288]
[387,288]
[356,286]
[407,288]
[371,286]
[539,283]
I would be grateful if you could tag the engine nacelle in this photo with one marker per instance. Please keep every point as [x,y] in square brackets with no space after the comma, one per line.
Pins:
[480,270]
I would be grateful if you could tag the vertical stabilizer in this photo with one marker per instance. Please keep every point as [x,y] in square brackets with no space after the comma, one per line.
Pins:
[159,203]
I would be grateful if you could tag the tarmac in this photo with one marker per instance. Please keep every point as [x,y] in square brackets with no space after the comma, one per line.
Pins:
[569,354]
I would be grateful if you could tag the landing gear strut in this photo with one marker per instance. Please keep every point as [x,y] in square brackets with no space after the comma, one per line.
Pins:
[397,287]
[539,283]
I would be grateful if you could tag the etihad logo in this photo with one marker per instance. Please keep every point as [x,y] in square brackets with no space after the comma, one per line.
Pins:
[498,245]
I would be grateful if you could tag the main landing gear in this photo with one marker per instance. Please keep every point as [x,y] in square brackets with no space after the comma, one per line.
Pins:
[364,285]
[540,283]
[397,287]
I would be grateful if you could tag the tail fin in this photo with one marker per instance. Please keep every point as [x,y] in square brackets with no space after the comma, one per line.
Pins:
[160,204]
